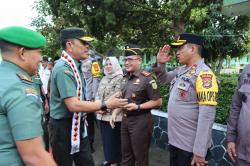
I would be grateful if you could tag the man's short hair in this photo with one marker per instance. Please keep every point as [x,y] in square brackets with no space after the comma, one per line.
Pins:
[6,46]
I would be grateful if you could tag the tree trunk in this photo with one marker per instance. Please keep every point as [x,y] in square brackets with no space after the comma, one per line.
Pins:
[178,27]
[219,67]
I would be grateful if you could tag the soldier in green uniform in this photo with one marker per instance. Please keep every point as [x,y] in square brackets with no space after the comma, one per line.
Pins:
[20,103]
[67,126]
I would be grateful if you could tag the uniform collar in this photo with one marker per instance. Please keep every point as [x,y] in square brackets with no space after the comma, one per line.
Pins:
[15,67]
[78,63]
[134,74]
[199,62]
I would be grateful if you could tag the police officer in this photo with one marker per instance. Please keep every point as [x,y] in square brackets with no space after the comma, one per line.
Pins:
[143,94]
[238,127]
[20,103]
[192,101]
[67,123]
[91,74]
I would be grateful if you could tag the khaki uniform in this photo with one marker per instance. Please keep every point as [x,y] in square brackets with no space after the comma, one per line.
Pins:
[191,106]
[137,125]
[238,127]
[20,112]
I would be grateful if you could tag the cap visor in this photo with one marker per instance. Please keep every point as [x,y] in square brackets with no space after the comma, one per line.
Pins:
[177,44]
[87,38]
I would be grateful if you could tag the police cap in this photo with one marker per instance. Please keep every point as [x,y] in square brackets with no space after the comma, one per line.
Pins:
[188,38]
[22,37]
[132,49]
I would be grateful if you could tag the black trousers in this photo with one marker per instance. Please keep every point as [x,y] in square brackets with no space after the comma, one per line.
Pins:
[91,127]
[111,141]
[60,139]
[46,134]
[179,157]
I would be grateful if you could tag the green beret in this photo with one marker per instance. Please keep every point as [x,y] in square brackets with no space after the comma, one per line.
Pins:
[22,36]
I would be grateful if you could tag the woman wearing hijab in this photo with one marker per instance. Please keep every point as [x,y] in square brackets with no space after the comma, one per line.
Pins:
[110,122]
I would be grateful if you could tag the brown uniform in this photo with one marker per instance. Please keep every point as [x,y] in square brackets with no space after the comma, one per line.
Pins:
[136,127]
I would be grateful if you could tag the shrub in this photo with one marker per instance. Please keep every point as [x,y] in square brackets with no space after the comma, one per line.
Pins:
[227,85]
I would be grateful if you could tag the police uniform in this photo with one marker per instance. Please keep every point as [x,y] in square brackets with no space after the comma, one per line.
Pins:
[20,102]
[136,128]
[91,76]
[238,127]
[191,107]
[64,85]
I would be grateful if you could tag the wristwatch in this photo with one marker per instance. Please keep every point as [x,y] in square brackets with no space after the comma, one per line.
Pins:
[104,106]
[138,107]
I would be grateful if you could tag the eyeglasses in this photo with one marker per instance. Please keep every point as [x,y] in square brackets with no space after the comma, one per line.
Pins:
[130,59]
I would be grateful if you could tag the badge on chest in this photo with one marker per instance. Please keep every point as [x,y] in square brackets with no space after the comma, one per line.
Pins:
[183,90]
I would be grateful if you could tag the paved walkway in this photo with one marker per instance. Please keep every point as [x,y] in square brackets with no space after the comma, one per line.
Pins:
[157,156]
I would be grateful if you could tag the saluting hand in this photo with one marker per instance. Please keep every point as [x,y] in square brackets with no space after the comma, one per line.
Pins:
[198,161]
[231,151]
[131,106]
[163,54]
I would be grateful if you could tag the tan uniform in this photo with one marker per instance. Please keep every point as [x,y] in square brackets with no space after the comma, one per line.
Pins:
[191,106]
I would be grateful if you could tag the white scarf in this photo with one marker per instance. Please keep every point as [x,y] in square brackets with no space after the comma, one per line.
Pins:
[76,120]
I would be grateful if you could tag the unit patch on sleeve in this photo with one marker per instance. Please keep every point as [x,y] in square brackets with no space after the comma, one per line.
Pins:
[153,83]
[206,88]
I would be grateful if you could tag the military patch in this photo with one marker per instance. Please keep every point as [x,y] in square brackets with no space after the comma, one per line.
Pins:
[31,92]
[145,73]
[153,83]
[24,78]
[206,88]
[206,80]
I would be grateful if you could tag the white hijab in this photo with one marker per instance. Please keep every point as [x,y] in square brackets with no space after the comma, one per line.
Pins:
[116,68]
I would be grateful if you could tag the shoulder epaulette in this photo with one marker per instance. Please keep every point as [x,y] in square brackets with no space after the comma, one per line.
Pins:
[145,73]
[24,78]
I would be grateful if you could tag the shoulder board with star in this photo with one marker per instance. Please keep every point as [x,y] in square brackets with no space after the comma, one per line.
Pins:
[24,78]
[145,73]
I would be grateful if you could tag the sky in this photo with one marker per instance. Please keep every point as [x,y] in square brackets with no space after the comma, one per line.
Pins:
[17,12]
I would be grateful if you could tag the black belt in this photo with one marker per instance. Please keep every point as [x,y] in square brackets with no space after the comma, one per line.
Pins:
[136,113]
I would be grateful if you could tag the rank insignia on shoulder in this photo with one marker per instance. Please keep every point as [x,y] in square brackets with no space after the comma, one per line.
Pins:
[153,83]
[31,92]
[145,73]
[24,78]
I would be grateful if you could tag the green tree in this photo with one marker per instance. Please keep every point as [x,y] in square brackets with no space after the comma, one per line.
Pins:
[149,23]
